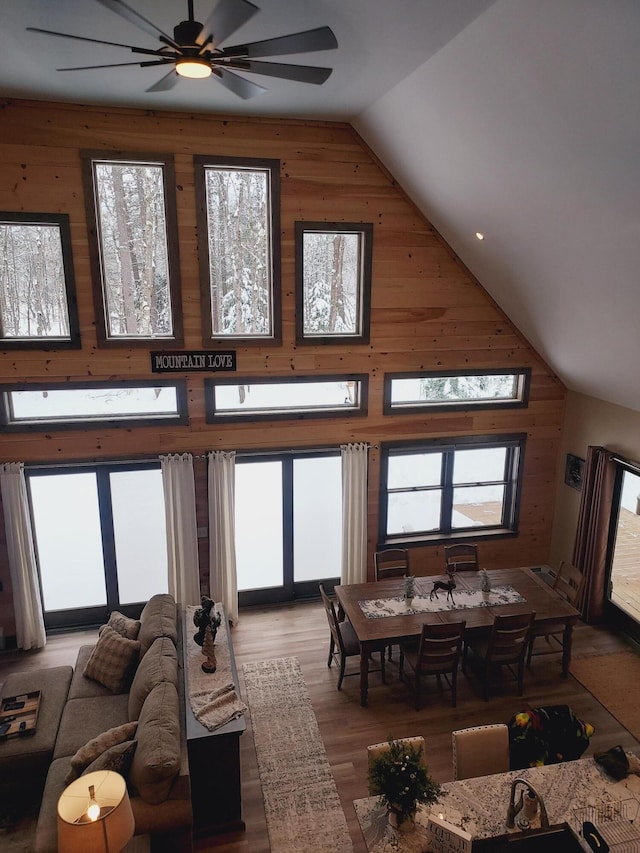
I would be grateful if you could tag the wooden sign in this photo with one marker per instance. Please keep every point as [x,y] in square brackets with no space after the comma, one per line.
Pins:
[193,361]
[447,838]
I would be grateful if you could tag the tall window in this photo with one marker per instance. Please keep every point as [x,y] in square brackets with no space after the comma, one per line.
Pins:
[100,539]
[238,243]
[37,291]
[134,247]
[438,489]
[624,578]
[333,281]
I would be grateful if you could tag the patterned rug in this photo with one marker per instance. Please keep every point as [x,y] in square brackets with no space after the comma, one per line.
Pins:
[463,599]
[301,800]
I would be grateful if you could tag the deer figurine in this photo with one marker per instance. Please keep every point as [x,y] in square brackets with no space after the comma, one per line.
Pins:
[449,585]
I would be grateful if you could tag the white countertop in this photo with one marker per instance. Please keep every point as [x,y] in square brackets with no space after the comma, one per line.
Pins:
[479,805]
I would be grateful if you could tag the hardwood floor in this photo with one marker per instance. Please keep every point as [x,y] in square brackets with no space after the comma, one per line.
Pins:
[346,728]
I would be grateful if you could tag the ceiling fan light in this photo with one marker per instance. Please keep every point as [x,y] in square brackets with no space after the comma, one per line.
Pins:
[195,69]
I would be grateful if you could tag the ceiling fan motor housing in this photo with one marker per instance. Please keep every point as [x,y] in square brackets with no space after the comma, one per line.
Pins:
[187,32]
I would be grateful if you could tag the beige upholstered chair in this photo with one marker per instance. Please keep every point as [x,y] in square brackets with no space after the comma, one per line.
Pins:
[461,558]
[568,585]
[480,751]
[391,563]
[378,749]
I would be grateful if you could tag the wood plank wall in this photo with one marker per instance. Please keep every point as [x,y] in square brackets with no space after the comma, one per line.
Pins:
[427,311]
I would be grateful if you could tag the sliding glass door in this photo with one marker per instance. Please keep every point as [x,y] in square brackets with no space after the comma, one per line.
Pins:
[624,577]
[100,540]
[288,525]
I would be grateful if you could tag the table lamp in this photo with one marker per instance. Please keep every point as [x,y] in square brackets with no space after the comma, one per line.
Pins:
[94,814]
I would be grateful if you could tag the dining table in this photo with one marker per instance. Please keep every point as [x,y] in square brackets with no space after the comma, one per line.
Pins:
[379,612]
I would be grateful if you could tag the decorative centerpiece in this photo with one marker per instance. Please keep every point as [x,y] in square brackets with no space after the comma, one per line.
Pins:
[402,781]
[203,618]
[409,589]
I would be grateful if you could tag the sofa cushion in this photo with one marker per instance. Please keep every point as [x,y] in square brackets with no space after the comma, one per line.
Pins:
[113,660]
[123,625]
[158,619]
[160,663]
[97,745]
[83,719]
[156,761]
[118,758]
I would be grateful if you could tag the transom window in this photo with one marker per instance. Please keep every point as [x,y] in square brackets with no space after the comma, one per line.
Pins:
[37,291]
[333,281]
[257,398]
[443,488]
[413,392]
[65,405]
[238,244]
[134,247]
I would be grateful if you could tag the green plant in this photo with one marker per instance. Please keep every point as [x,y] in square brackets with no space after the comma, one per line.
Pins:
[400,778]
[409,586]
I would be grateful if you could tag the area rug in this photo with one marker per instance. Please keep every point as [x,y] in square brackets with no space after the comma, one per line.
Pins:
[301,801]
[612,679]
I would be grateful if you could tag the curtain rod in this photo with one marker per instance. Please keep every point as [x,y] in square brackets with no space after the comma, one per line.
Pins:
[289,451]
[629,463]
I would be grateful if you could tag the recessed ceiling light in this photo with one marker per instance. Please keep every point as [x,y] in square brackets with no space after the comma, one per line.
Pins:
[479,235]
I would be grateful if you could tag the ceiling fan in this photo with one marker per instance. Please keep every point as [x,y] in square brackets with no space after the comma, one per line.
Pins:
[193,51]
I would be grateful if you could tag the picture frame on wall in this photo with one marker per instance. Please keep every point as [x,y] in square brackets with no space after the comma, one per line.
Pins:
[574,471]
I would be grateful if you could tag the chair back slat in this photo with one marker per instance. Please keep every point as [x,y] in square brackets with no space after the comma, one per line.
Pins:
[391,563]
[510,637]
[568,582]
[461,558]
[440,647]
[332,619]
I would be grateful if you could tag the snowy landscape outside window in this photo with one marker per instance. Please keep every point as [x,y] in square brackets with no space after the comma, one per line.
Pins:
[238,242]
[333,281]
[134,250]
[444,487]
[70,405]
[37,291]
[406,392]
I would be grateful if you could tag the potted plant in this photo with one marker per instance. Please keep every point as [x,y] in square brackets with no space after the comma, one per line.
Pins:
[409,589]
[401,779]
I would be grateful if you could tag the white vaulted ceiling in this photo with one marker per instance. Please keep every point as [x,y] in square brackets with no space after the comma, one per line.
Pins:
[516,118]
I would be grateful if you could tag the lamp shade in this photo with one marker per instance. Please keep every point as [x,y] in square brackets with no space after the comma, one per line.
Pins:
[114,826]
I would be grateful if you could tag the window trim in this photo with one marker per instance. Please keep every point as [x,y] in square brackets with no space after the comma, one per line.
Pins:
[522,373]
[272,167]
[291,414]
[61,221]
[365,229]
[511,501]
[166,162]
[7,424]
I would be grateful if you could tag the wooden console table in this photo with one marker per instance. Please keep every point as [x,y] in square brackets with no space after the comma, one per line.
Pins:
[214,760]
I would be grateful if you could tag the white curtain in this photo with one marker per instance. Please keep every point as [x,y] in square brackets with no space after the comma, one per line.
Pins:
[354,512]
[30,633]
[223,579]
[182,529]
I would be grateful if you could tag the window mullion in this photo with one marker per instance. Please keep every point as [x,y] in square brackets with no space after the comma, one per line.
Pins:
[446,508]
[108,538]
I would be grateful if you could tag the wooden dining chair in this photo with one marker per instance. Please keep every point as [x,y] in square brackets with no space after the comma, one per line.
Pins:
[568,585]
[436,653]
[343,641]
[391,563]
[480,751]
[507,645]
[461,558]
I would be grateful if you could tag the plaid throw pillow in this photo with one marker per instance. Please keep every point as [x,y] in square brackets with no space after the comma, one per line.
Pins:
[113,660]
[98,746]
[123,625]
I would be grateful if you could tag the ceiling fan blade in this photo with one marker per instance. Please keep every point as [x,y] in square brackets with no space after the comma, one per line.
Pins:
[225,18]
[129,14]
[301,73]
[90,67]
[238,85]
[94,41]
[164,83]
[321,38]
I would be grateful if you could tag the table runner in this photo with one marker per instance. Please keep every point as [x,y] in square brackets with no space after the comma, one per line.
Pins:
[212,696]
[463,599]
